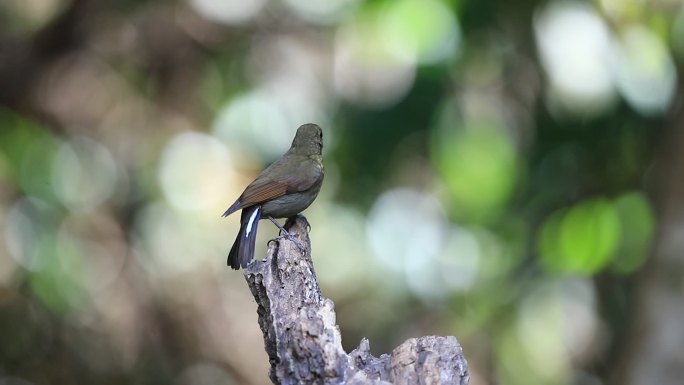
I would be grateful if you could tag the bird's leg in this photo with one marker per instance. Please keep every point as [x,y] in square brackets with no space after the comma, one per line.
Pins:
[288,235]
[290,221]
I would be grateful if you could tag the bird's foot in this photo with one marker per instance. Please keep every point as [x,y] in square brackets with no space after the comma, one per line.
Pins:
[289,236]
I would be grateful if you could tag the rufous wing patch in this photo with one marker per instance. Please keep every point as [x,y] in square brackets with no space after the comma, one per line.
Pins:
[259,192]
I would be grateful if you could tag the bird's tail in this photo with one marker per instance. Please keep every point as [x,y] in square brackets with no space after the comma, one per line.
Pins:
[242,251]
[235,207]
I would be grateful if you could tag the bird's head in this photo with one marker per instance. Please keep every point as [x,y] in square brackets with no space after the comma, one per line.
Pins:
[308,140]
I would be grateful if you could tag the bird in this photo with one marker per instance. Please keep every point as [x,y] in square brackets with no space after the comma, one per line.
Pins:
[282,190]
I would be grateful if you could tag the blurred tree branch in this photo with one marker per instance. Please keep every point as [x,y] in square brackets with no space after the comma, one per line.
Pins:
[304,343]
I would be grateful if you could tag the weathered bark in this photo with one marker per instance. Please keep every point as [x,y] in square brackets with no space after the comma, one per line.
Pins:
[304,343]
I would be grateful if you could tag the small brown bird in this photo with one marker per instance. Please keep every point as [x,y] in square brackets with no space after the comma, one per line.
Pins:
[283,190]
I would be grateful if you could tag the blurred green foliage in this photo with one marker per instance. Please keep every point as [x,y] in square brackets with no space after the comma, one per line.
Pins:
[492,171]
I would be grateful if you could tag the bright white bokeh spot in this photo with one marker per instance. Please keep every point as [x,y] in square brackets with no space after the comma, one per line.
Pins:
[406,228]
[195,172]
[405,232]
[341,268]
[557,324]
[426,30]
[84,174]
[409,234]
[371,67]
[264,122]
[644,71]
[377,51]
[170,242]
[460,260]
[290,74]
[574,44]
[455,268]
[255,119]
[322,12]
[35,13]
[228,11]
[28,227]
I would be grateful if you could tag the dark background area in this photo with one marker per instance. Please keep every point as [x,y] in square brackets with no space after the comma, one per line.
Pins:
[510,173]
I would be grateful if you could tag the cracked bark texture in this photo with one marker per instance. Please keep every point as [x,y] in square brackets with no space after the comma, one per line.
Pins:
[304,344]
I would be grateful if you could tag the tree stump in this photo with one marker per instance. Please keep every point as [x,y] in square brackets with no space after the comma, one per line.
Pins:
[303,342]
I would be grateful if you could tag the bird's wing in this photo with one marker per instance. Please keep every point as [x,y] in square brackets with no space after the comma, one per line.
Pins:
[307,174]
[285,176]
